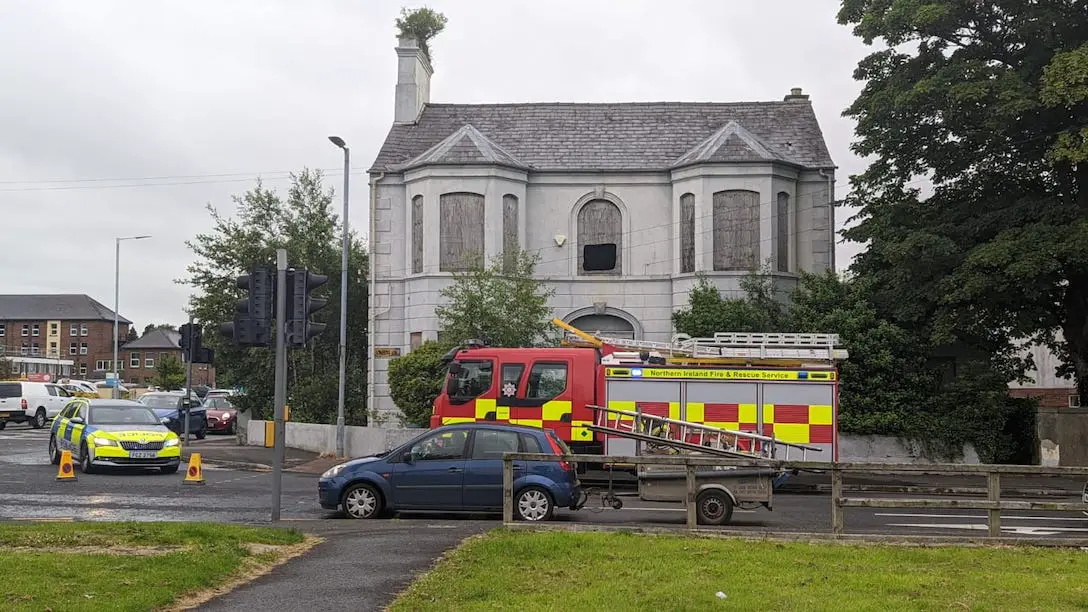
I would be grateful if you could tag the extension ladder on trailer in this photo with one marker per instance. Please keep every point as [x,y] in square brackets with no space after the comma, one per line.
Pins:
[695,437]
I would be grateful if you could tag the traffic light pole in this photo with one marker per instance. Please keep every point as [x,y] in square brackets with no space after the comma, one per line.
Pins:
[281,378]
[189,379]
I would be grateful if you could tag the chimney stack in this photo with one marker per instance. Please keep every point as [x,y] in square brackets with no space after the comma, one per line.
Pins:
[795,95]
[413,81]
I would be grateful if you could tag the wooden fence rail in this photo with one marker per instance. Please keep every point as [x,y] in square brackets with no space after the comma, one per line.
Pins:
[993,503]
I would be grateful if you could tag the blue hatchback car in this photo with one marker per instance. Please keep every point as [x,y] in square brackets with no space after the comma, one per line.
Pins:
[456,468]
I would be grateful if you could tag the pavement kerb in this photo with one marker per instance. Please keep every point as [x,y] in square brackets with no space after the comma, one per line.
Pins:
[814,537]
[822,489]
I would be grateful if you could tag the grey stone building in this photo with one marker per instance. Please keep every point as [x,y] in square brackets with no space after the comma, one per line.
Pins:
[623,203]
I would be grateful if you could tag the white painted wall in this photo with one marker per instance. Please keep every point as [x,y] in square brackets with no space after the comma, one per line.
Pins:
[321,438]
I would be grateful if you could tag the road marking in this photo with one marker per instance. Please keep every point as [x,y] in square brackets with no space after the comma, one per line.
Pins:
[1004,517]
[667,509]
[1039,531]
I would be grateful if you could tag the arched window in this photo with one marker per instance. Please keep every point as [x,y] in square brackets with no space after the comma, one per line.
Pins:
[600,238]
[783,233]
[687,233]
[417,234]
[461,238]
[736,230]
[509,231]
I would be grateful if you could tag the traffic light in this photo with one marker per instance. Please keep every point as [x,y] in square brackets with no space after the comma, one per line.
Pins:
[300,284]
[191,342]
[252,325]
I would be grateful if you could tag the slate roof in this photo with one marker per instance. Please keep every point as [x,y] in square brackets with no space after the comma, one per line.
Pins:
[619,137]
[465,146]
[71,307]
[156,339]
[731,143]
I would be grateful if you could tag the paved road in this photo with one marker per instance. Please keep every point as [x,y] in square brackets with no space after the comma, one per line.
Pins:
[28,491]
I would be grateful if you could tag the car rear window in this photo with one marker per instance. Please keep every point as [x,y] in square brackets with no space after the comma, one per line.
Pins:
[529,444]
[11,390]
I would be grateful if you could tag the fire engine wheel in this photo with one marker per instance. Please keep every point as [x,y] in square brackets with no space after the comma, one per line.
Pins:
[533,504]
[713,507]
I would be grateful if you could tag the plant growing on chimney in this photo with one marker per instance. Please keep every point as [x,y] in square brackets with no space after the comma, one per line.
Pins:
[421,24]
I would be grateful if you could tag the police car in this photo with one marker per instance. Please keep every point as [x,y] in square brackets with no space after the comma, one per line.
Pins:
[107,432]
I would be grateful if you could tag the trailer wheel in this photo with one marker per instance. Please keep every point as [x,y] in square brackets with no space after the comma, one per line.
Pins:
[713,507]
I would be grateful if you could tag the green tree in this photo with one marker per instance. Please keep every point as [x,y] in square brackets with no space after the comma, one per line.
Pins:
[988,100]
[153,326]
[132,335]
[169,373]
[302,222]
[416,379]
[505,308]
[756,310]
[422,24]
[5,368]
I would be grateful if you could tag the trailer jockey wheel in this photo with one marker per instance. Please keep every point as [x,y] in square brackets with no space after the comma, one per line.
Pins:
[713,507]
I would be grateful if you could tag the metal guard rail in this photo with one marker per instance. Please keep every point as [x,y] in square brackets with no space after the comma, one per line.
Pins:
[993,472]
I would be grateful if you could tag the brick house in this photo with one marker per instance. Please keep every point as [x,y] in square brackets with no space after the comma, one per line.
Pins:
[142,356]
[68,327]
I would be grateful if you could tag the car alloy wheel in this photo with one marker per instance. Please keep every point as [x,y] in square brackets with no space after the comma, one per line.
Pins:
[39,419]
[534,504]
[361,502]
[54,454]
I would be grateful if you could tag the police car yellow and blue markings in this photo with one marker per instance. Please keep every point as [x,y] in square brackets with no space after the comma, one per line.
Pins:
[107,444]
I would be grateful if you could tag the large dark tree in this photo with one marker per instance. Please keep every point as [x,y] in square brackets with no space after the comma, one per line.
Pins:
[989,100]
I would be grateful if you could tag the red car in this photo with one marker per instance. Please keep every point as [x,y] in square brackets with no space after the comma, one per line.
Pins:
[222,415]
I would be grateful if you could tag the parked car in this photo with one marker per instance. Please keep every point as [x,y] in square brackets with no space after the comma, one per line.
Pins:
[456,468]
[31,402]
[170,406]
[221,414]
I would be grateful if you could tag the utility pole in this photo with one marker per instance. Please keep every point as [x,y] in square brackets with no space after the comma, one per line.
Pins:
[336,140]
[189,377]
[281,379]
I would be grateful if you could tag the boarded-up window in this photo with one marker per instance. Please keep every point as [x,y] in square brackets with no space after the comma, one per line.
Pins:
[416,339]
[461,238]
[600,238]
[687,233]
[783,233]
[417,234]
[736,230]
[509,232]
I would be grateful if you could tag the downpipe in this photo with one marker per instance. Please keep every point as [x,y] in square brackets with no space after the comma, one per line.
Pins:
[371,307]
[830,213]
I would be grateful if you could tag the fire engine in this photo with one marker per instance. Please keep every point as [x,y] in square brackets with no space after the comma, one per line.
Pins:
[609,395]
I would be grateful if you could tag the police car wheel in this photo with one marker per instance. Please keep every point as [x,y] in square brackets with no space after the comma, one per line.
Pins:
[533,504]
[54,454]
[362,501]
[39,419]
[85,464]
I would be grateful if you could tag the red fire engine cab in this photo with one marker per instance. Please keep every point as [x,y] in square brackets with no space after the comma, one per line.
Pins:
[780,385]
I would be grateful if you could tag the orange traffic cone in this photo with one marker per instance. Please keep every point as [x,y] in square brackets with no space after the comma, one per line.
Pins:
[66,470]
[194,475]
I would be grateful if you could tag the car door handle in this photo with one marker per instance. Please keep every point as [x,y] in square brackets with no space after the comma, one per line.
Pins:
[516,467]
[456,469]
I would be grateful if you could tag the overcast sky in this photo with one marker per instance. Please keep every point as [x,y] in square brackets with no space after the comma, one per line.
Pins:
[123,118]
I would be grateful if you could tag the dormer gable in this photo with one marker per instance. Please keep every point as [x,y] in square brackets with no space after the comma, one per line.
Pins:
[466,146]
[731,143]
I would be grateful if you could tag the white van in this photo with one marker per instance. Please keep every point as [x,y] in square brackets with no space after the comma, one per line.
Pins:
[31,402]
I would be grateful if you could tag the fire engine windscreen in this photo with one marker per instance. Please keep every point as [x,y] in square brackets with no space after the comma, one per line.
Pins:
[469,380]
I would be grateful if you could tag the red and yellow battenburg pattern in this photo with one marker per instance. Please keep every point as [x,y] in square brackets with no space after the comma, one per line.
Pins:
[800,424]
[556,415]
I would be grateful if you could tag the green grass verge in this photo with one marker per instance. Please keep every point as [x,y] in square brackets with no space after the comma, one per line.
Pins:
[106,566]
[617,571]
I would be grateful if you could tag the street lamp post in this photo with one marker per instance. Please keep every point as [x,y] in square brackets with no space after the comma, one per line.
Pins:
[117,298]
[336,140]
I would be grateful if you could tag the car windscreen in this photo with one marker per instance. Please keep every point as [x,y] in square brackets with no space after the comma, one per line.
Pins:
[217,403]
[11,390]
[122,415]
[161,401]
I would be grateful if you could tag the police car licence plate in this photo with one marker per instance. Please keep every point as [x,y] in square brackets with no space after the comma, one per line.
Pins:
[143,454]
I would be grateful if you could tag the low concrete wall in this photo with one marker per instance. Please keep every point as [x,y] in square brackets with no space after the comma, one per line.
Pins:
[321,438]
[1063,436]
[886,449]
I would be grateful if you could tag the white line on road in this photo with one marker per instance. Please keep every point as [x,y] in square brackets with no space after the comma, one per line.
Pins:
[667,509]
[1004,517]
[1039,531]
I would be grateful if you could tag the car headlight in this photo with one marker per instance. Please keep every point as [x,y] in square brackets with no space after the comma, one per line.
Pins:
[104,442]
[170,442]
[333,471]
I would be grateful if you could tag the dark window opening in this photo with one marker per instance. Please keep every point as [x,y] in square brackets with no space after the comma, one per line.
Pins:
[599,257]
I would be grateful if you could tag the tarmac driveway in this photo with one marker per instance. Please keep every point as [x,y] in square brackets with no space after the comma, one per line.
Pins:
[360,566]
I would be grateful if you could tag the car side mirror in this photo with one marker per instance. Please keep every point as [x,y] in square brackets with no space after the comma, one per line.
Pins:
[456,368]
[77,420]
[165,420]
[407,457]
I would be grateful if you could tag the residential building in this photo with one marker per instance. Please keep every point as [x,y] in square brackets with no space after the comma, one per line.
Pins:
[143,356]
[1051,390]
[65,327]
[624,204]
